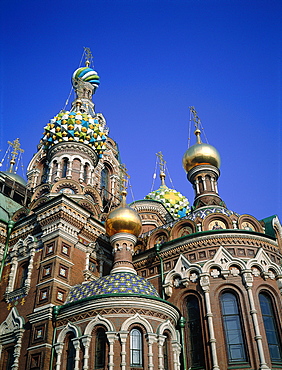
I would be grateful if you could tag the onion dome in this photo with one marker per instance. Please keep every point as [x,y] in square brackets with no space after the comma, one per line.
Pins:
[176,203]
[77,127]
[86,74]
[200,154]
[15,177]
[116,283]
[123,220]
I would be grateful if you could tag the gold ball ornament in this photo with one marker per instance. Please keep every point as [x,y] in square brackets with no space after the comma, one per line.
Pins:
[123,220]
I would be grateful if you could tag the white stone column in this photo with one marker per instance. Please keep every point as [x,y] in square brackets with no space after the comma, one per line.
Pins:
[111,339]
[212,184]
[123,338]
[204,182]
[197,187]
[176,350]
[76,344]
[161,340]
[59,351]
[205,284]
[248,282]
[50,172]
[17,349]
[29,269]
[151,338]
[13,272]
[69,170]
[86,340]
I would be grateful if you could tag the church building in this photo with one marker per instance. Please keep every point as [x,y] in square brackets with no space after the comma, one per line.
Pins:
[89,282]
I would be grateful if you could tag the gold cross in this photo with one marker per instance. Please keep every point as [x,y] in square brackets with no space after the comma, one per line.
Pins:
[9,306]
[196,118]
[88,56]
[162,162]
[124,177]
[22,302]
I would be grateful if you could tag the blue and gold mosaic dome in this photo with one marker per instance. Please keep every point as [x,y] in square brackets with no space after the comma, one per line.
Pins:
[77,127]
[116,283]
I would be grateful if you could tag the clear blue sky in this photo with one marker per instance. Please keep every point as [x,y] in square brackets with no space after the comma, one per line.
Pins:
[156,58]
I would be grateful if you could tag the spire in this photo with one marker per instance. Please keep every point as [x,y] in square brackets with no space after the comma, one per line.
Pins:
[201,162]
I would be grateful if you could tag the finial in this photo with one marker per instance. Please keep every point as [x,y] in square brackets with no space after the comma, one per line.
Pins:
[124,177]
[15,152]
[88,56]
[162,163]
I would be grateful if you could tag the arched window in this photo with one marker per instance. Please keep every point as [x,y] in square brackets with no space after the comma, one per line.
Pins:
[195,346]
[7,358]
[22,275]
[85,172]
[136,348]
[166,352]
[70,353]
[270,327]
[233,328]
[65,167]
[105,173]
[100,348]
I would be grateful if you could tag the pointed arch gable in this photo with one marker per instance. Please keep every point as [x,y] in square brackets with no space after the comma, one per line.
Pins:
[137,319]
[223,260]
[262,260]
[12,323]
[166,325]
[99,320]
[70,328]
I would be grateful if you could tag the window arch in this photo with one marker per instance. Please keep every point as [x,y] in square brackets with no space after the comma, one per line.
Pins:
[233,328]
[22,275]
[270,327]
[136,348]
[105,178]
[100,348]
[195,346]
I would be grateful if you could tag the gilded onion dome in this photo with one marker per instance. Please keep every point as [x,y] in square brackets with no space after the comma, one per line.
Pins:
[200,154]
[176,203]
[123,220]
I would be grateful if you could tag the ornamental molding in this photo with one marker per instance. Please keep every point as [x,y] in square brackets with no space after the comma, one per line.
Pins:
[71,148]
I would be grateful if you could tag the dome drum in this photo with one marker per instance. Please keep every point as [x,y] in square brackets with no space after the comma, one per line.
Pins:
[74,149]
[202,168]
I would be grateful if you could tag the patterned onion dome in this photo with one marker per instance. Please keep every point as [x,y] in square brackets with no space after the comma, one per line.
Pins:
[116,283]
[86,74]
[123,220]
[176,203]
[200,154]
[77,127]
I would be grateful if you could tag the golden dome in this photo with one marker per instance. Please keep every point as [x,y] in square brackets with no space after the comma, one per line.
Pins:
[200,154]
[123,220]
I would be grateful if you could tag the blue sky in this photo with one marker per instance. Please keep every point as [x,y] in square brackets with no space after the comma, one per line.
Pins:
[156,58]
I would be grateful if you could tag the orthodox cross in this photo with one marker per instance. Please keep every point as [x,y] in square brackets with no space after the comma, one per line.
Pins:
[15,152]
[124,177]
[88,56]
[196,118]
[162,163]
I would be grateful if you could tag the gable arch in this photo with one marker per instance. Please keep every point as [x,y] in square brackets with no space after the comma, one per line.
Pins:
[166,325]
[136,319]
[99,320]
[70,328]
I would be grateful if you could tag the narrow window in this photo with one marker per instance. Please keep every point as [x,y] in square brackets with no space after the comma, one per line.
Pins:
[233,328]
[270,327]
[105,179]
[136,348]
[65,167]
[85,172]
[100,349]
[195,339]
[70,353]
[166,354]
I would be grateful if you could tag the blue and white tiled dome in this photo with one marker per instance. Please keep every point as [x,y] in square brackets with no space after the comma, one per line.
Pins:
[116,283]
